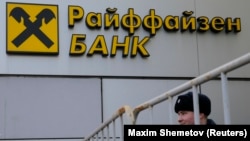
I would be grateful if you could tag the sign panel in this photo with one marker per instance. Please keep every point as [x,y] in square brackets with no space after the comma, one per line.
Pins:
[120,38]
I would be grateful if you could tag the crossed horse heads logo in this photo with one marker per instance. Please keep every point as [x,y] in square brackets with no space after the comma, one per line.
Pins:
[32,28]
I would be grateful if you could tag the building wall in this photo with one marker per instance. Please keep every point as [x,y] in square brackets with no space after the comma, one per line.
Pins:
[64,97]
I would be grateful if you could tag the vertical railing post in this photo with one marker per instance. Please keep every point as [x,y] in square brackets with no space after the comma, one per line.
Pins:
[97,136]
[225,98]
[102,135]
[107,132]
[171,109]
[114,133]
[122,130]
[196,106]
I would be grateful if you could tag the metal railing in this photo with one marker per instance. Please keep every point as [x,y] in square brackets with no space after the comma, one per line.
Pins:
[132,113]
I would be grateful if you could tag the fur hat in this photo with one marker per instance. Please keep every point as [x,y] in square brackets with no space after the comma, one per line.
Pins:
[185,103]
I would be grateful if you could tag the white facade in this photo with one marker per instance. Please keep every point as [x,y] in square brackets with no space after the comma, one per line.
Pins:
[60,96]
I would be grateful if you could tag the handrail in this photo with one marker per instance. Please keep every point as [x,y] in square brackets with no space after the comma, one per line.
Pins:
[117,114]
[241,61]
[132,114]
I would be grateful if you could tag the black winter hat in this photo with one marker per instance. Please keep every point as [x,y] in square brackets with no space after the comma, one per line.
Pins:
[185,103]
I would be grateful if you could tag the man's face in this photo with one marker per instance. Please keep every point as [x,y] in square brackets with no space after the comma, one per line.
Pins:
[186,117]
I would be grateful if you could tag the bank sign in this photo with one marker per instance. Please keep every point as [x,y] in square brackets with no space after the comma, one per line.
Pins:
[111,29]
[32,28]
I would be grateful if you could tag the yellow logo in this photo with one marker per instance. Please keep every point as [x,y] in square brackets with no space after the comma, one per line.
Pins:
[32,28]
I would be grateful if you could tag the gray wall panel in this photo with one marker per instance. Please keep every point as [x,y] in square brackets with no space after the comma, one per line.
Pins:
[238,92]
[50,107]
